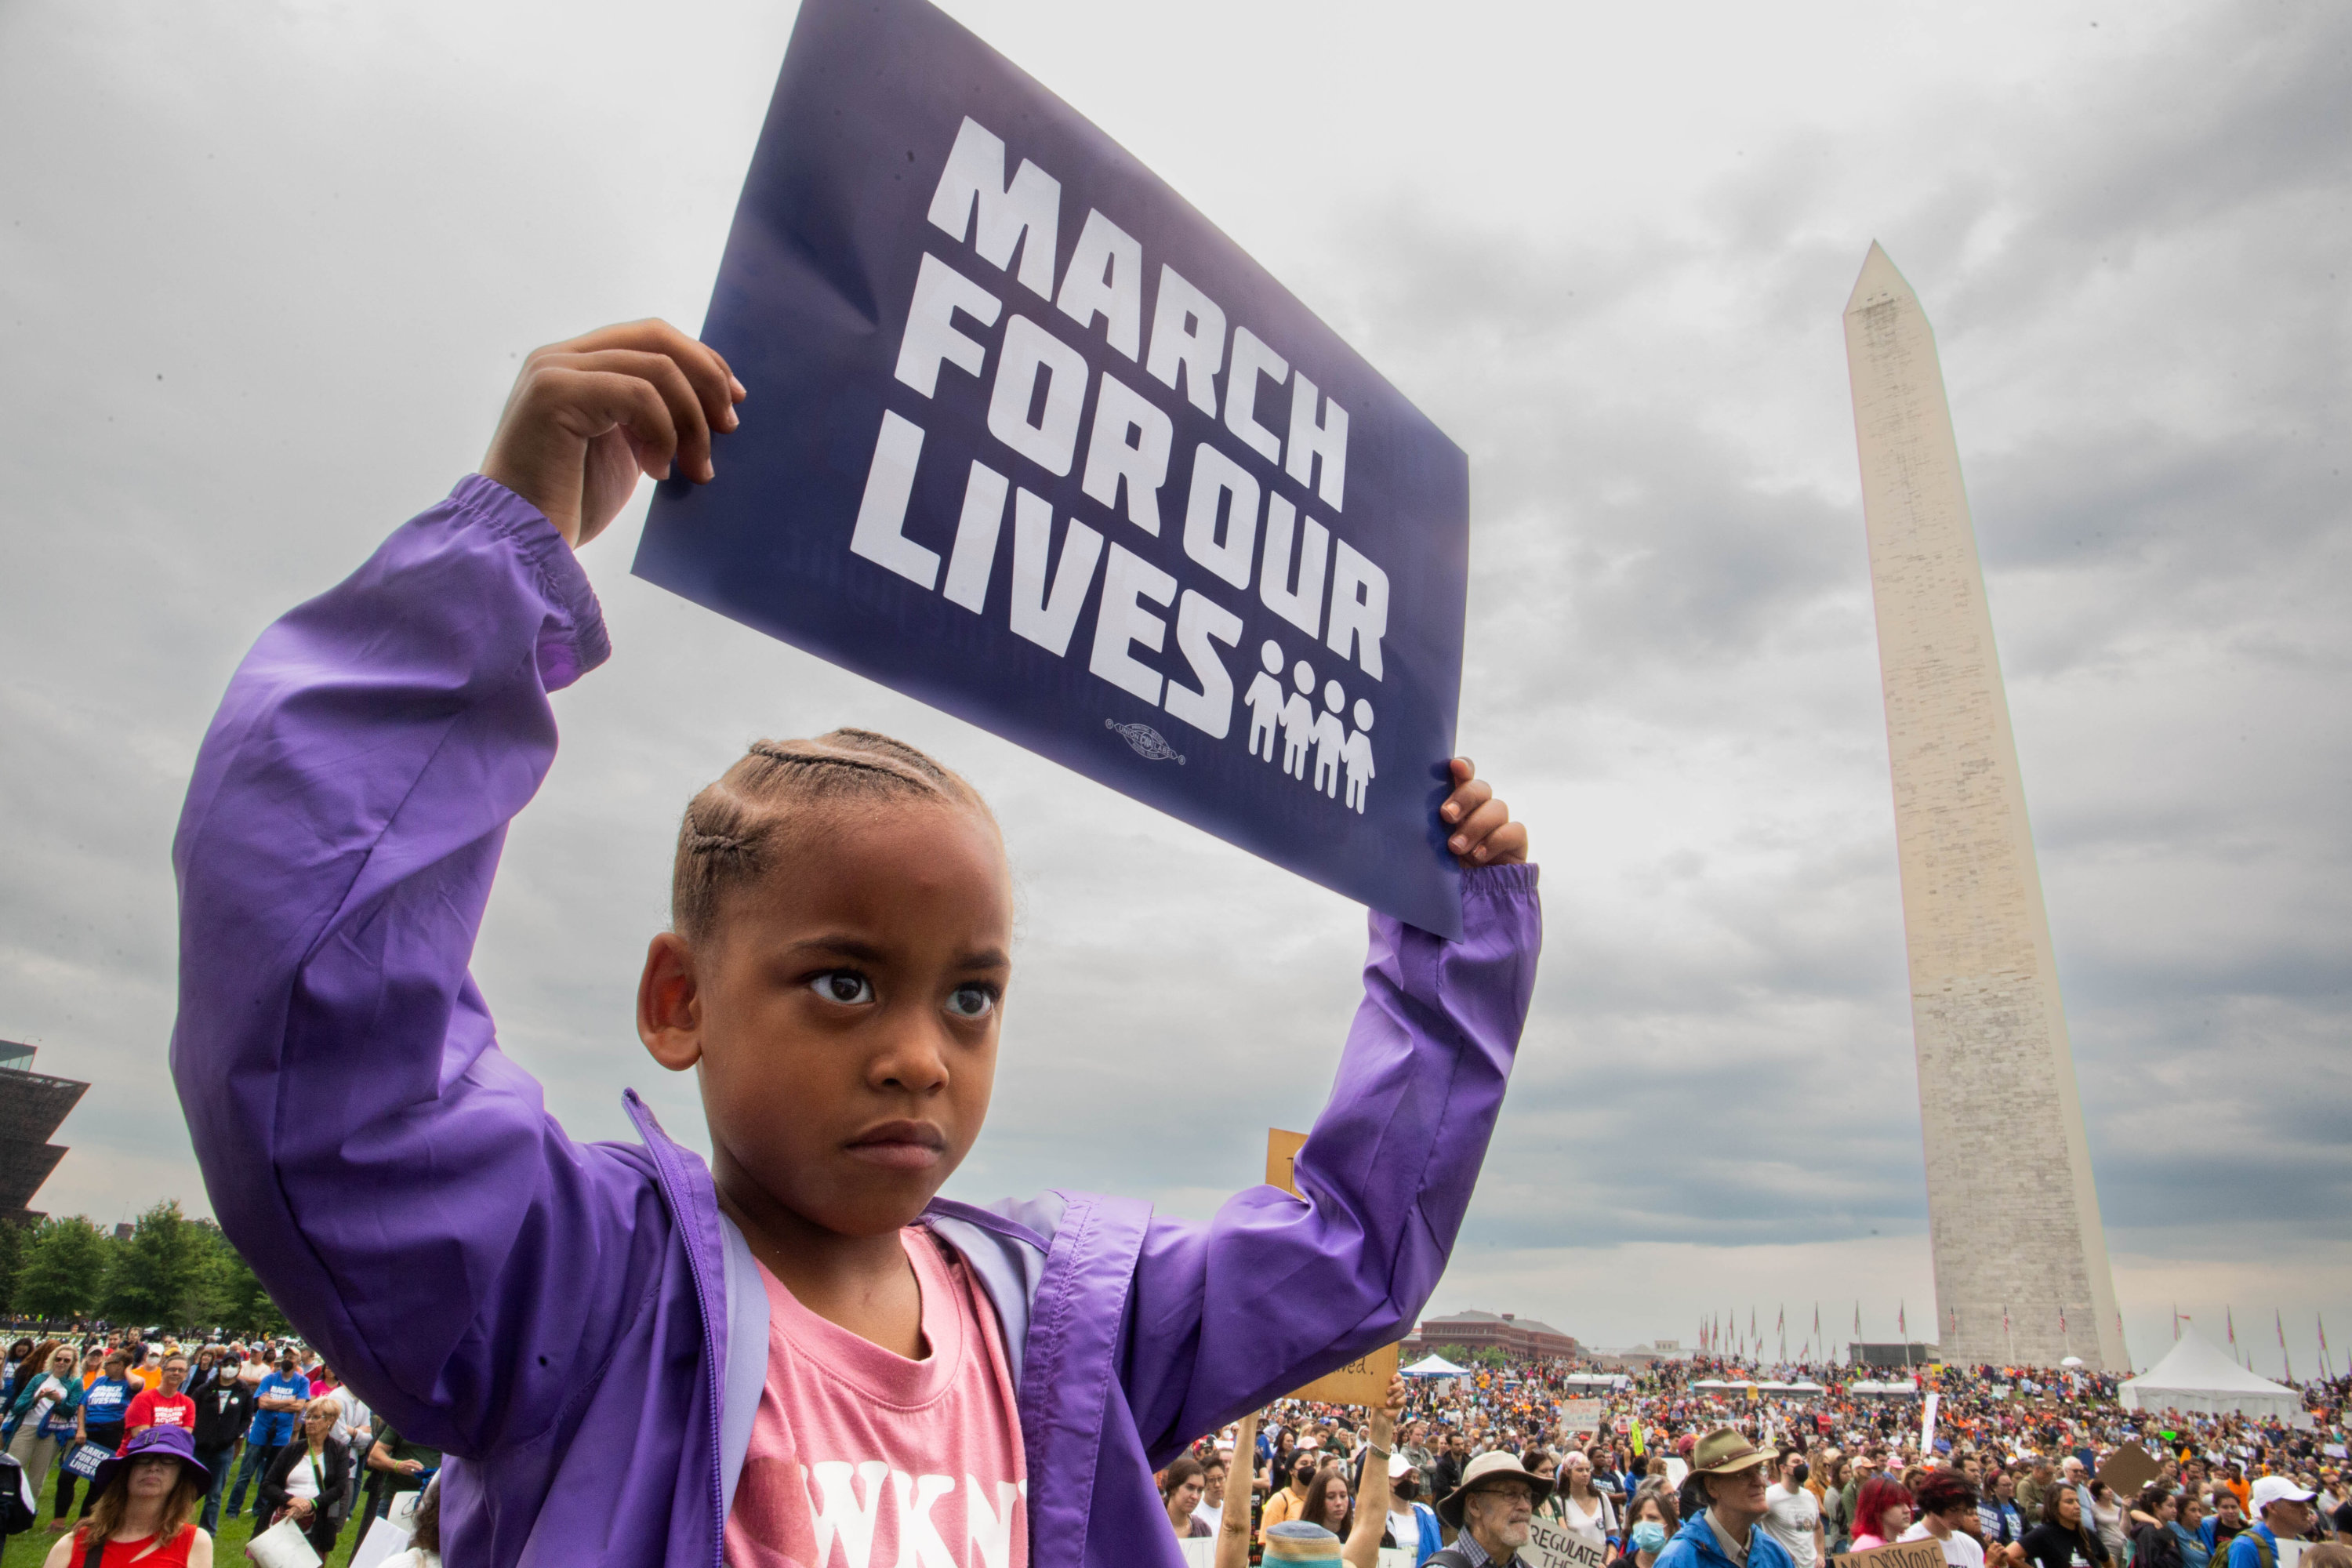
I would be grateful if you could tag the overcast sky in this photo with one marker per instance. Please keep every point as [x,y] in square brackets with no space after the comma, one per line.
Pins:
[266,271]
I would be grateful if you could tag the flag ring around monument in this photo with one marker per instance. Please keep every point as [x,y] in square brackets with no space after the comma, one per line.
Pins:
[1032,440]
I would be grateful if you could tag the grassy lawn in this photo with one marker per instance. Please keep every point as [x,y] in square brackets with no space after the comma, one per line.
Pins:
[228,1547]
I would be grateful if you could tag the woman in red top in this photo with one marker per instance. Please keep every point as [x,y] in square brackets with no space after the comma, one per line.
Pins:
[142,1505]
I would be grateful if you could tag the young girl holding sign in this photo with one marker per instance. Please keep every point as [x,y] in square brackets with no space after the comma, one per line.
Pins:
[798,1355]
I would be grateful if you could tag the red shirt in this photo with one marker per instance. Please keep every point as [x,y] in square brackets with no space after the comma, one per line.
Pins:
[121,1553]
[154,1408]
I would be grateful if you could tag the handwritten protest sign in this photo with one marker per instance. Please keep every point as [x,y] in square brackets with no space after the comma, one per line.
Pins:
[1900,1554]
[1550,1545]
[1582,1418]
[1365,1380]
[1032,440]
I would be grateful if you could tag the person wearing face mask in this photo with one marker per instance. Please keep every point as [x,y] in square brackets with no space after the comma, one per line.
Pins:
[1287,1501]
[1412,1523]
[1792,1515]
[1651,1520]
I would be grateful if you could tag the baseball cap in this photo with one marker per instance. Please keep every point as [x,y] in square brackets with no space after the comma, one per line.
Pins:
[2276,1488]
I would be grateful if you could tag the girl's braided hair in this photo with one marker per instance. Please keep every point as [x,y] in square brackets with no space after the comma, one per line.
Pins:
[736,830]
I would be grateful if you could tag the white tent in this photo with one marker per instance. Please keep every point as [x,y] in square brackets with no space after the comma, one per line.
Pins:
[2196,1375]
[1435,1366]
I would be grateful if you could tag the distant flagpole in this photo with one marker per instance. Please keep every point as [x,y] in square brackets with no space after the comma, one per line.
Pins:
[2230,1321]
[2325,1370]
[2285,1360]
[2009,1346]
[2176,1322]
[1784,1333]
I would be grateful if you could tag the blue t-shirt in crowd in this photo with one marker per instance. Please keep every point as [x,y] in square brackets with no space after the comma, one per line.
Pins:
[275,1428]
[107,1403]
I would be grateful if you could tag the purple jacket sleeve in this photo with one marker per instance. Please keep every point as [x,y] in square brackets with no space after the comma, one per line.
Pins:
[392,1177]
[1276,1290]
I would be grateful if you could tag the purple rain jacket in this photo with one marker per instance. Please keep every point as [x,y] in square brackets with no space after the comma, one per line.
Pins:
[576,1324]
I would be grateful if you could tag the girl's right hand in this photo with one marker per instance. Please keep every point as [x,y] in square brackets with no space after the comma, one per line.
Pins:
[588,415]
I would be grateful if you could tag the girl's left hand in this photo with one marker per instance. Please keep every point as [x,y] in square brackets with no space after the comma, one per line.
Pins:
[1480,831]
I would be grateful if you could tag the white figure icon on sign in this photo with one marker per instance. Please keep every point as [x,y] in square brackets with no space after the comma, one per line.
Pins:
[1264,699]
[1330,740]
[1299,721]
[1359,757]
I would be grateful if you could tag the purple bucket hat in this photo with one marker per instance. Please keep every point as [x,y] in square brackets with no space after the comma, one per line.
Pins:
[176,1442]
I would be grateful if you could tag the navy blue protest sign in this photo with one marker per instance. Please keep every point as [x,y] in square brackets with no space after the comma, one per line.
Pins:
[1032,440]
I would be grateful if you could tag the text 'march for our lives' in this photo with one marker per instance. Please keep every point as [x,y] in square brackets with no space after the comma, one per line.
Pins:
[1033,440]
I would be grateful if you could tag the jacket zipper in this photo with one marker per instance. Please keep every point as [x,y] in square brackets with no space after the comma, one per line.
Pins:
[656,1141]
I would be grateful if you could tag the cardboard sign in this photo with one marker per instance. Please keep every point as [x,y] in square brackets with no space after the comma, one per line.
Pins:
[1582,1418]
[1030,439]
[1281,1153]
[1898,1554]
[1550,1545]
[86,1459]
[2128,1468]
[1365,1380]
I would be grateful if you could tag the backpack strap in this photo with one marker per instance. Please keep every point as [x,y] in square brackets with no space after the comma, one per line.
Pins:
[94,1547]
[1449,1558]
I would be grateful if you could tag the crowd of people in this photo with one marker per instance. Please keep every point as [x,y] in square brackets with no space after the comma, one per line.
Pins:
[266,1422]
[1694,1461]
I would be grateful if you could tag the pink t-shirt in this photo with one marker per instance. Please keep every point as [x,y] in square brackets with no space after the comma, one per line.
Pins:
[861,1459]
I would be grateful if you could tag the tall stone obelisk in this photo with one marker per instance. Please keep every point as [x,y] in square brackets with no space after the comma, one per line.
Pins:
[2021,1258]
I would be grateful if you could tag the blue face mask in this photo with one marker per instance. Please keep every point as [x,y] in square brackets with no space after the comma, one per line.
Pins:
[1649,1535]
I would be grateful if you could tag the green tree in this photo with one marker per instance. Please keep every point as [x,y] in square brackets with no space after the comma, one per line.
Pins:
[162,1273]
[14,1239]
[243,1306]
[65,1266]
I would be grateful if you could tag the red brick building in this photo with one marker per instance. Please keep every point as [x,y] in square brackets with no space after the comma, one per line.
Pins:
[1467,1333]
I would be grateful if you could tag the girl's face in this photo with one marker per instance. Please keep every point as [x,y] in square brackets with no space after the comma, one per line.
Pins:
[2069,1508]
[1648,1509]
[152,1476]
[1187,1496]
[844,1014]
[1335,1505]
[1897,1519]
[1213,1484]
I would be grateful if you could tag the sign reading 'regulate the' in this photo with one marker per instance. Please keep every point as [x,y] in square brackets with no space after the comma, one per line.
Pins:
[1032,440]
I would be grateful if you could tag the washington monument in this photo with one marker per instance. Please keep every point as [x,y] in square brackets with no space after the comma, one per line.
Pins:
[2020,1259]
